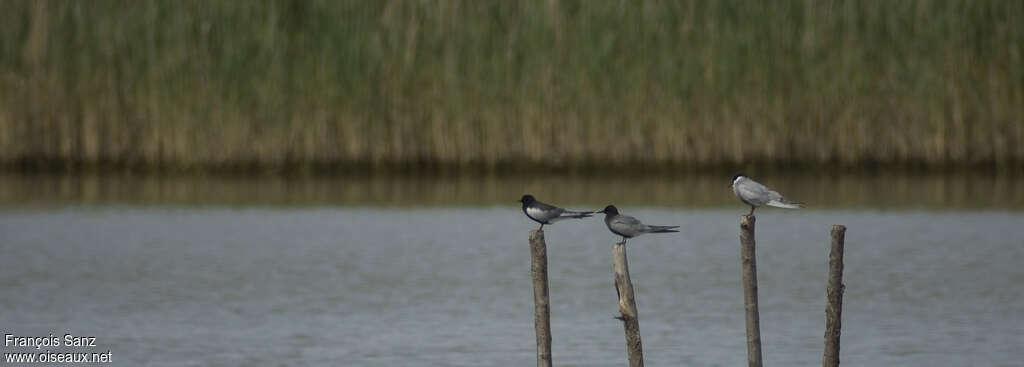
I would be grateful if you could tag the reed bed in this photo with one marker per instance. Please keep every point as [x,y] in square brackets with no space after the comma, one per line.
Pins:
[566,84]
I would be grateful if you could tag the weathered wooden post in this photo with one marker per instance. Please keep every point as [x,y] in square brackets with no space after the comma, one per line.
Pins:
[749,260]
[627,305]
[541,308]
[834,308]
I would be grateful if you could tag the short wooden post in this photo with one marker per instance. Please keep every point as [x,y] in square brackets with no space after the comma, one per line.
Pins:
[541,308]
[749,259]
[627,305]
[834,308]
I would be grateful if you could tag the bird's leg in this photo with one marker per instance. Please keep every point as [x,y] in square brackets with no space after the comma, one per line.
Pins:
[751,210]
[541,229]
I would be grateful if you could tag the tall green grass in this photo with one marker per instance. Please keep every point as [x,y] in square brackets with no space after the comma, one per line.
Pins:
[201,84]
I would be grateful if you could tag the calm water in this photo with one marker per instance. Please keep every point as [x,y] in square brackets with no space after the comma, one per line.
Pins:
[215,285]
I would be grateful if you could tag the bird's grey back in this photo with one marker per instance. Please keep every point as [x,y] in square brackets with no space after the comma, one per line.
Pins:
[752,192]
[624,224]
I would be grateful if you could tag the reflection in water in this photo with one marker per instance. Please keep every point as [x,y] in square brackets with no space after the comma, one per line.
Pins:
[829,191]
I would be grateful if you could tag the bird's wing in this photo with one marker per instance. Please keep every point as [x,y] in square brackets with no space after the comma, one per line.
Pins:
[777,200]
[547,207]
[543,212]
[662,229]
[567,214]
[752,191]
[626,220]
[626,225]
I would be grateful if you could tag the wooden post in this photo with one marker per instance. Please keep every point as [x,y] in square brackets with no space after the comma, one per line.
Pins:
[627,305]
[749,259]
[834,308]
[541,308]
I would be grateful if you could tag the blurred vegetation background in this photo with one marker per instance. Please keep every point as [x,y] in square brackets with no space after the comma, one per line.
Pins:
[577,85]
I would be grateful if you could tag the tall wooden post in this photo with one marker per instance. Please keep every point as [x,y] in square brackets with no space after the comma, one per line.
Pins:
[627,305]
[749,259]
[834,308]
[541,308]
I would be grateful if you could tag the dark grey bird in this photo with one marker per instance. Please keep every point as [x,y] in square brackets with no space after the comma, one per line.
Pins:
[629,227]
[755,194]
[546,213]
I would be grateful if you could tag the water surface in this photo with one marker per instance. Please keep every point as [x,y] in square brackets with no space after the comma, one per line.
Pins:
[450,286]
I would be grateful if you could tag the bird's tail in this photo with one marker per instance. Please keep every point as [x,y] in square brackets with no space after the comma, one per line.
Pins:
[663,229]
[575,214]
[785,203]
